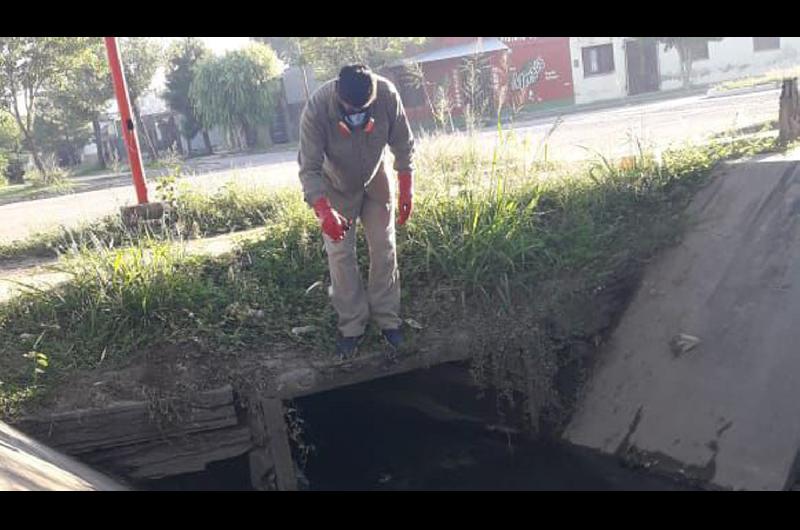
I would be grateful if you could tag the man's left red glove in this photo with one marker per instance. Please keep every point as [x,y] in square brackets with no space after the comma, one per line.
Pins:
[405,196]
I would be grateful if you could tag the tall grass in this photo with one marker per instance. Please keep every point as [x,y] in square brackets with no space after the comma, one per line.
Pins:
[193,214]
[501,244]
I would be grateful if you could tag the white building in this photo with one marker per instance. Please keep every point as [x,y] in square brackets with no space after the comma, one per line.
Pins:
[616,67]
[598,68]
[295,84]
[731,58]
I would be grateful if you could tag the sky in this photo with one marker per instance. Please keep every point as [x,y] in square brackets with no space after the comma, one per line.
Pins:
[223,44]
[220,45]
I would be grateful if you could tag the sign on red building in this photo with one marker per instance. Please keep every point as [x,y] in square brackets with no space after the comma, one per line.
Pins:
[523,71]
[539,70]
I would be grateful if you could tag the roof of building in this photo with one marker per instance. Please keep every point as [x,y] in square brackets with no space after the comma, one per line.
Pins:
[478,46]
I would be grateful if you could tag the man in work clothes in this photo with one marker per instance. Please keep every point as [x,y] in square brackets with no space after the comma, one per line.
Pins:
[344,131]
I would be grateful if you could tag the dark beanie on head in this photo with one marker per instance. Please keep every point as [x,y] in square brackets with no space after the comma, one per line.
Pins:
[357,85]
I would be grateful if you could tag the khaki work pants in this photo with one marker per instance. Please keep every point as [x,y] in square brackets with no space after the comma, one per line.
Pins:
[381,299]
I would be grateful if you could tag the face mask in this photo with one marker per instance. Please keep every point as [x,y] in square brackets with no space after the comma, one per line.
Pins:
[356,120]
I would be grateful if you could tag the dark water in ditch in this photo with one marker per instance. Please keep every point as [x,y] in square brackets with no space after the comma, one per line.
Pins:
[364,440]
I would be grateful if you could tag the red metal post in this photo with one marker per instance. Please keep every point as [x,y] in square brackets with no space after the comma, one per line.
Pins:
[128,130]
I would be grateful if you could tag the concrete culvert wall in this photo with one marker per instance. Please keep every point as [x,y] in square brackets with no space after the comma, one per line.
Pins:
[700,377]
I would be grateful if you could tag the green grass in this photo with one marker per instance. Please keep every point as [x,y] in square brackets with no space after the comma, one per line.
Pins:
[513,250]
[774,77]
[86,171]
[32,190]
[19,192]
[194,214]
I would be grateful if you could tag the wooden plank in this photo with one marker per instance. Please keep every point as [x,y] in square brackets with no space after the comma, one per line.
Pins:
[262,469]
[319,377]
[272,466]
[126,436]
[174,456]
[279,444]
[789,112]
[262,465]
[87,430]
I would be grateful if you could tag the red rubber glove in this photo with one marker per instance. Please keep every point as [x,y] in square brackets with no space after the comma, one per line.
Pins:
[405,196]
[333,223]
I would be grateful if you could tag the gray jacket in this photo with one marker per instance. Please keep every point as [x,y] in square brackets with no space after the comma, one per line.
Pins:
[343,167]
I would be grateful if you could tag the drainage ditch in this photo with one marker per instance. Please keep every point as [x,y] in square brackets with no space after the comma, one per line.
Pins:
[427,430]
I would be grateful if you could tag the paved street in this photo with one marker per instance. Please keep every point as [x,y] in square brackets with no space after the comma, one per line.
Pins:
[656,123]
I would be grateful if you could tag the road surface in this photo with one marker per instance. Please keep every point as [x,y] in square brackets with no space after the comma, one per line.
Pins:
[608,131]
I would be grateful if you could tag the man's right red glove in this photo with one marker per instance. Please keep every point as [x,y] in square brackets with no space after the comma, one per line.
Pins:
[333,223]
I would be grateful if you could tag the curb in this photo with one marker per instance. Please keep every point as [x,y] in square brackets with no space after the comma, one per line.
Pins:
[746,90]
[629,101]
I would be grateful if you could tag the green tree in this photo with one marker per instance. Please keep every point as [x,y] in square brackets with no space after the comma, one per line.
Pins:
[184,55]
[10,139]
[686,47]
[62,129]
[86,92]
[237,91]
[291,51]
[29,67]
[77,99]
[141,58]
[9,132]
[328,54]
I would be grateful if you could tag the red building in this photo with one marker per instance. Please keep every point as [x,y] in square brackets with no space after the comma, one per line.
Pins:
[539,71]
[522,71]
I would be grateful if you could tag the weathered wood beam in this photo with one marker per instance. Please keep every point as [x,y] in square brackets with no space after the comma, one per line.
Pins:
[127,423]
[312,377]
[271,456]
[274,415]
[789,113]
[173,456]
[130,438]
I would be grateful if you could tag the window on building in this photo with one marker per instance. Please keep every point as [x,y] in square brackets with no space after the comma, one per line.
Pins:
[598,60]
[761,44]
[699,50]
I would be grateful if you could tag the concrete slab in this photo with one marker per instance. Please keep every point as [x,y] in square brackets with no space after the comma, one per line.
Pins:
[719,405]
